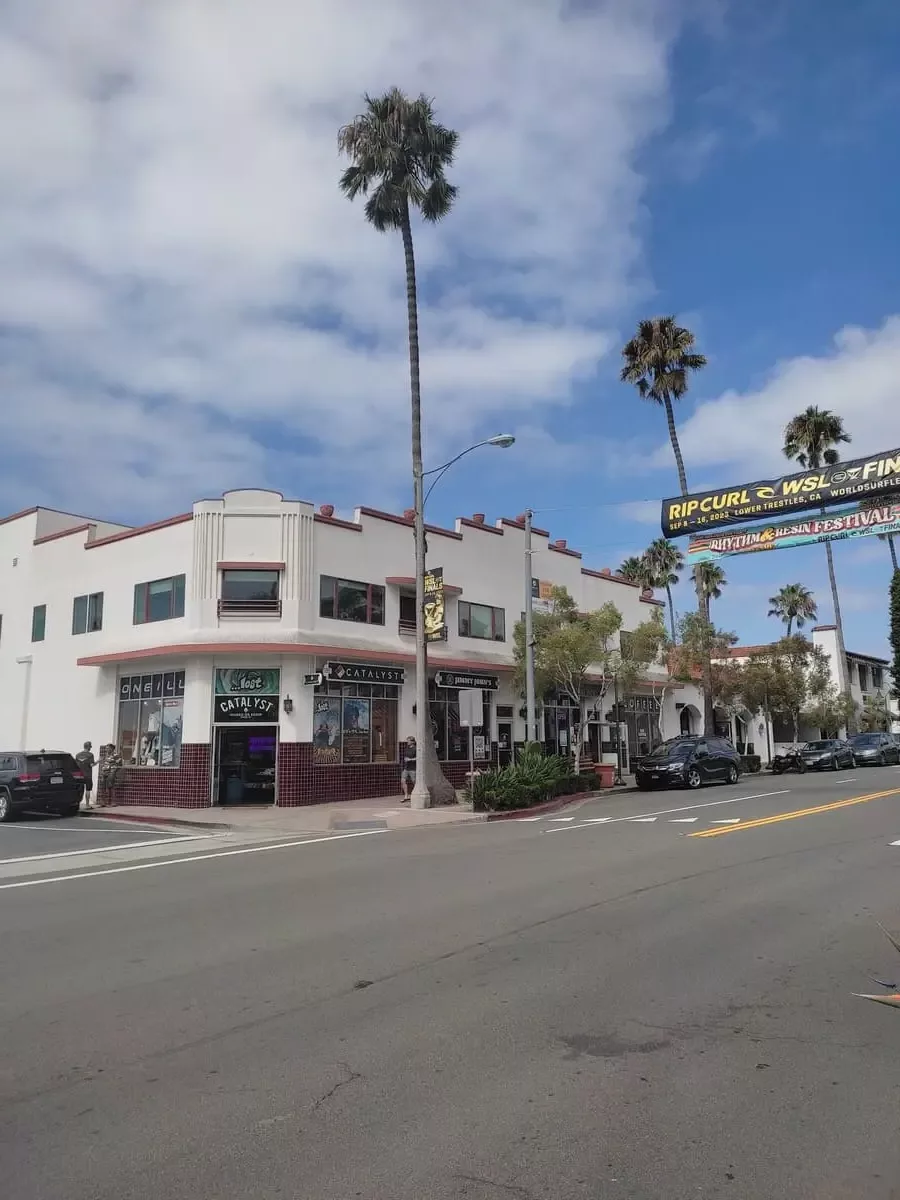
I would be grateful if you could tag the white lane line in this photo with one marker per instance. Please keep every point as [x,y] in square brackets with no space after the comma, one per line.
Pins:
[683,820]
[598,820]
[125,827]
[847,779]
[642,820]
[562,818]
[177,862]
[201,837]
[727,821]
[684,808]
[895,843]
[525,820]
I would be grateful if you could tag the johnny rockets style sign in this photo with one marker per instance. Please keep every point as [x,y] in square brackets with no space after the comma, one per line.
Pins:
[843,523]
[855,480]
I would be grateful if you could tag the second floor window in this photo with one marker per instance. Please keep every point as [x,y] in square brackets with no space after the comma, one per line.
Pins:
[349,600]
[249,591]
[87,613]
[38,622]
[482,621]
[159,600]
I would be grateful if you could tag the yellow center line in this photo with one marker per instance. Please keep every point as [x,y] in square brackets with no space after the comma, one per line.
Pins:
[792,816]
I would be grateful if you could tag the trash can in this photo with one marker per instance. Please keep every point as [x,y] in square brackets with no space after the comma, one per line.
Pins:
[605,773]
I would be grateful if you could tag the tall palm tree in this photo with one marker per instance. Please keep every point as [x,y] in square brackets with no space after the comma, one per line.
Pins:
[811,439]
[875,502]
[667,562]
[637,569]
[793,603]
[709,578]
[659,361]
[399,155]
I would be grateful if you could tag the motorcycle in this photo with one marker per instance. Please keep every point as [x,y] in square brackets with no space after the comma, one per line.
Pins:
[790,760]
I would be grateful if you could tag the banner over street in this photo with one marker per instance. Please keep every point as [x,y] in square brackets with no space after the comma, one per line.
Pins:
[858,479]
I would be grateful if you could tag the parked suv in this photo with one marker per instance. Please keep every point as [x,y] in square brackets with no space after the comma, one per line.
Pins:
[42,781]
[689,762]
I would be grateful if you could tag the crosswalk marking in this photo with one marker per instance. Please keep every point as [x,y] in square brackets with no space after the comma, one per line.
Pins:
[562,818]
[683,820]
[727,821]
[641,820]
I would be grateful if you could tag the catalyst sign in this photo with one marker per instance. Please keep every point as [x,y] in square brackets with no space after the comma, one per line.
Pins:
[857,480]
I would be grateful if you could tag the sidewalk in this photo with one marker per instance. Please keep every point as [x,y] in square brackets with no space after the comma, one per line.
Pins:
[387,813]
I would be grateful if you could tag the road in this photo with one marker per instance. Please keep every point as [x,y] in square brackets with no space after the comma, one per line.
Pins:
[596,1007]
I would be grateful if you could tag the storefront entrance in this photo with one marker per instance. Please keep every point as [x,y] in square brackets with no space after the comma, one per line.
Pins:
[244,764]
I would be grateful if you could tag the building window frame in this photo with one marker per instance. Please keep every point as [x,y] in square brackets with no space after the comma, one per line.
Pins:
[261,590]
[496,620]
[147,606]
[150,719]
[87,613]
[39,623]
[330,600]
[338,743]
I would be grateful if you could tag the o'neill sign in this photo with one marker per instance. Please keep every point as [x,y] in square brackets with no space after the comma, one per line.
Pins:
[844,523]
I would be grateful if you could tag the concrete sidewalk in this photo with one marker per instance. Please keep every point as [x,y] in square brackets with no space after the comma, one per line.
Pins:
[387,813]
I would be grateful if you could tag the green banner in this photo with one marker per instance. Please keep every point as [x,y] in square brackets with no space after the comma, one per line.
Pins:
[248,681]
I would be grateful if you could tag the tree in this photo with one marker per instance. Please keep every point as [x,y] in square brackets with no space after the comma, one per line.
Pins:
[666,563]
[793,603]
[699,641]
[811,439]
[876,714]
[791,679]
[710,579]
[399,155]
[637,569]
[878,502]
[659,361]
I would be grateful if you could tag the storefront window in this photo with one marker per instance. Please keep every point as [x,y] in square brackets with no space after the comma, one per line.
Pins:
[451,737]
[355,723]
[150,719]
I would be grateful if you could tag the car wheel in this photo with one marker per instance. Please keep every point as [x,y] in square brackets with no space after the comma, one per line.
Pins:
[6,812]
[693,779]
[732,774]
[834,762]
[73,810]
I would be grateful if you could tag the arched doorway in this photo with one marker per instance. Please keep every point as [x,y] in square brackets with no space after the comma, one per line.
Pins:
[689,720]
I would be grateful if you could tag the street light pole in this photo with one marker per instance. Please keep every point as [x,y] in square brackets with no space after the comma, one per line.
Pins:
[530,713]
[425,752]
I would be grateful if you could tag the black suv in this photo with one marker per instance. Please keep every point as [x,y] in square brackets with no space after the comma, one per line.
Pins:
[42,781]
[689,762]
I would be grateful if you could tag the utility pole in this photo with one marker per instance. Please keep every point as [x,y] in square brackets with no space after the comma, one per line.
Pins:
[530,714]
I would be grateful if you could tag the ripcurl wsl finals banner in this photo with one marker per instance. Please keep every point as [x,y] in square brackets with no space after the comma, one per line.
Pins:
[844,523]
[855,480]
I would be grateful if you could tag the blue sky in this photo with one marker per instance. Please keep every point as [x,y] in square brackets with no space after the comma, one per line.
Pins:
[189,305]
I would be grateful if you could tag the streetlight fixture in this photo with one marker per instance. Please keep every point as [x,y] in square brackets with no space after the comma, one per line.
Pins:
[425,755]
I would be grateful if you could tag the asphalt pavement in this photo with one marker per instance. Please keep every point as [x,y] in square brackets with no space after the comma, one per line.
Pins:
[37,835]
[628,1003]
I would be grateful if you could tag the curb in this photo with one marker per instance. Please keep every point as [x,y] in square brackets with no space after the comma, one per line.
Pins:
[138,820]
[516,814]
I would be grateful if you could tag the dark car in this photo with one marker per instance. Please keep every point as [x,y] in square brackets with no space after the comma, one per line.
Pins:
[41,781]
[875,749]
[830,754]
[689,762]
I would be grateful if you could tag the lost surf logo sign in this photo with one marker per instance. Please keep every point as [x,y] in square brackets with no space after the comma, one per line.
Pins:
[857,480]
[247,681]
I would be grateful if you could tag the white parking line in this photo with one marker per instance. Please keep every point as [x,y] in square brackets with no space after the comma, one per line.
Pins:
[200,837]
[668,811]
[178,862]
[683,820]
[727,821]
[129,827]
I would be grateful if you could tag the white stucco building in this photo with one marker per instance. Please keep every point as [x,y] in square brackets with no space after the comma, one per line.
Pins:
[194,646]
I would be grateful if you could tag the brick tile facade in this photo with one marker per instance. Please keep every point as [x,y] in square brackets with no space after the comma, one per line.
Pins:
[300,781]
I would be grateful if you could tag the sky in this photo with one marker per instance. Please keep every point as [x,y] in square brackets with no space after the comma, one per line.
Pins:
[190,305]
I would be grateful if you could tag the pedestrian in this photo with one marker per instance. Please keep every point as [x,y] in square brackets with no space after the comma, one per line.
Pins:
[86,763]
[408,769]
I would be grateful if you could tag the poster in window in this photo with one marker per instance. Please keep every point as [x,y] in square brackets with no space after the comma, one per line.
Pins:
[172,724]
[384,731]
[357,728]
[480,745]
[327,731]
[435,625]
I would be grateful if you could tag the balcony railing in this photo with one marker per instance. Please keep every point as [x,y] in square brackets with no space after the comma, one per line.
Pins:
[249,608]
[408,629]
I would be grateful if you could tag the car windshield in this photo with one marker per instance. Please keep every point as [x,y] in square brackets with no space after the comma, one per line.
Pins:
[672,750]
[818,745]
[865,739]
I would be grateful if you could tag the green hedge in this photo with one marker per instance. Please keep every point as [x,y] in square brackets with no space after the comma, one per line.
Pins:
[534,779]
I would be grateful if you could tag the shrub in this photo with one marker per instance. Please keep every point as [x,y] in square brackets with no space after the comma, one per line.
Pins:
[534,778]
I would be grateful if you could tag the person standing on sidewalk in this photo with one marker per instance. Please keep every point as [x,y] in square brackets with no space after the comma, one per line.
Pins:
[86,763]
[408,769]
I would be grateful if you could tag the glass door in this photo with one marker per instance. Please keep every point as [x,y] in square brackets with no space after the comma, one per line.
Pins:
[244,765]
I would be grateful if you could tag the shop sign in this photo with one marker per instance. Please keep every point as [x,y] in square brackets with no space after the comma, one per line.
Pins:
[362,673]
[635,704]
[781,535]
[259,710]
[464,679]
[314,680]
[166,686]
[838,483]
[435,625]
[248,681]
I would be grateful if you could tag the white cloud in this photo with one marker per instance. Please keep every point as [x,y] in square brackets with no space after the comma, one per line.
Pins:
[857,379]
[184,287]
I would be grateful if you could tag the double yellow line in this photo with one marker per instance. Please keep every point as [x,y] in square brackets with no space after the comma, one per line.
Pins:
[792,816]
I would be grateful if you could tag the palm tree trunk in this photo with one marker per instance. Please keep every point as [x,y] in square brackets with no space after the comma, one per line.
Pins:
[789,625]
[430,787]
[676,449]
[671,614]
[893,550]
[842,672]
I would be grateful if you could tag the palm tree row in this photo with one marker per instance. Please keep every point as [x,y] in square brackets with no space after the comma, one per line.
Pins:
[660,566]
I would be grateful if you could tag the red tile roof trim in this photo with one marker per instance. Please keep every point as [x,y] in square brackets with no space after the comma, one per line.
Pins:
[470,524]
[323,520]
[565,550]
[61,533]
[521,525]
[183,650]
[17,516]
[398,520]
[130,533]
